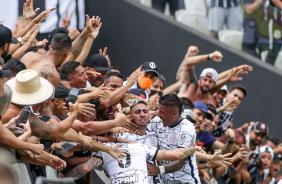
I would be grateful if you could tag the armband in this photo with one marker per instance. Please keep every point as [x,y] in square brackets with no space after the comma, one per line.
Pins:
[162,169]
[21,41]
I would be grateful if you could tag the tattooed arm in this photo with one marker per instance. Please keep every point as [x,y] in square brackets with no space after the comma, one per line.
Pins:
[175,154]
[84,168]
[79,42]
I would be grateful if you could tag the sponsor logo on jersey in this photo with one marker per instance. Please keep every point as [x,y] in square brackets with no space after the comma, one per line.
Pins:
[127,180]
[174,136]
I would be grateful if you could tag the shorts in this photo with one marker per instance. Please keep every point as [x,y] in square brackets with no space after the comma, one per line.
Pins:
[233,17]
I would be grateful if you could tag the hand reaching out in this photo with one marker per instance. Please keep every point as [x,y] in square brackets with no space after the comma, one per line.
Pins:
[86,109]
[117,153]
[42,16]
[133,77]
[221,159]
[231,134]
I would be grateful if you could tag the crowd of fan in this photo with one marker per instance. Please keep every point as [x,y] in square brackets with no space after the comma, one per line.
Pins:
[138,130]
[259,19]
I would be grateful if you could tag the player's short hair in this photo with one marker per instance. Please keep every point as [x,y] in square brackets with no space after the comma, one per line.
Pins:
[69,67]
[171,100]
[61,41]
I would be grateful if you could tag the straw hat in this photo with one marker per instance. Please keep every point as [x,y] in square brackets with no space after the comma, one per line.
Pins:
[30,89]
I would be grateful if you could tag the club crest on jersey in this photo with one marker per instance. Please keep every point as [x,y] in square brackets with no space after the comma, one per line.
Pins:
[174,136]
[127,180]
[153,141]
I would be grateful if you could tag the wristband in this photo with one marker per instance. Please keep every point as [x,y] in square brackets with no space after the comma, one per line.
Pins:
[231,142]
[126,87]
[209,57]
[21,41]
[162,169]
[206,165]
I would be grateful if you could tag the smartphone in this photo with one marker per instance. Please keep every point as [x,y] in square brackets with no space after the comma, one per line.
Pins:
[67,146]
[23,117]
[72,97]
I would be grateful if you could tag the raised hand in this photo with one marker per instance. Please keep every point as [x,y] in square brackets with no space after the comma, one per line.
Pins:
[86,109]
[104,53]
[231,134]
[73,33]
[216,56]
[92,73]
[31,35]
[28,11]
[96,25]
[133,77]
[192,51]
[43,15]
[153,102]
[66,20]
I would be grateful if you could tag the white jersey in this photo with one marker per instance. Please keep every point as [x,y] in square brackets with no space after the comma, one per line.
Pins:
[179,136]
[134,167]
[253,155]
[149,139]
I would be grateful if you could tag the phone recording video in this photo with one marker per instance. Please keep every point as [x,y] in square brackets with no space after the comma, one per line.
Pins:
[72,97]
[23,118]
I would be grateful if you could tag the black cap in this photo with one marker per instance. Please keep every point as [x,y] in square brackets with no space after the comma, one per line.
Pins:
[149,66]
[55,31]
[260,128]
[98,62]
[5,73]
[6,35]
[136,91]
[61,91]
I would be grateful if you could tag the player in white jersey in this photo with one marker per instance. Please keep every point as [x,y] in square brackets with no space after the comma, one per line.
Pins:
[139,114]
[175,132]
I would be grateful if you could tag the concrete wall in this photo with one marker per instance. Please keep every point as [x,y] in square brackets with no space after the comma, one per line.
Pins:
[134,34]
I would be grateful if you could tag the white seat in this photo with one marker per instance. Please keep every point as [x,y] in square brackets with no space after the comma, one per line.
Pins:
[146,3]
[196,20]
[278,61]
[196,6]
[232,38]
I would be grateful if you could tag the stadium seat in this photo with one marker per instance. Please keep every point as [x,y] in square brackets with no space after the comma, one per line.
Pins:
[278,61]
[196,20]
[199,6]
[146,3]
[232,38]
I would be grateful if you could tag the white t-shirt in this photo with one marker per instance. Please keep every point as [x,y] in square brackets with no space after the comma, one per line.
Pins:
[253,155]
[134,167]
[149,139]
[181,135]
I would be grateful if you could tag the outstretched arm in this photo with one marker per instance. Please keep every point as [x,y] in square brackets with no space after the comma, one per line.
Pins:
[84,168]
[175,154]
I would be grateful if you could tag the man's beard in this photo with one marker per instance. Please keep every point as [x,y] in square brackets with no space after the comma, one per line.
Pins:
[254,142]
[204,91]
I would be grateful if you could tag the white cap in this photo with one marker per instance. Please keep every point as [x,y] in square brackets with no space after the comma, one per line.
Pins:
[266,149]
[211,71]
[224,88]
